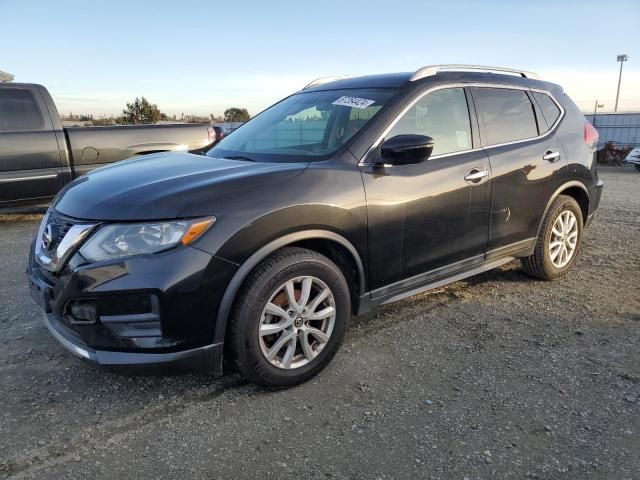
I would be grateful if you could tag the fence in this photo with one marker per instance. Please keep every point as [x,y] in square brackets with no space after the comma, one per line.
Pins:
[623,129]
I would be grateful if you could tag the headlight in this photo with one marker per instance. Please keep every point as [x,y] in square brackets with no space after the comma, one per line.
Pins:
[124,240]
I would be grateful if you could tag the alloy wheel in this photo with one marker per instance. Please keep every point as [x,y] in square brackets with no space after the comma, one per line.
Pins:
[564,239]
[297,322]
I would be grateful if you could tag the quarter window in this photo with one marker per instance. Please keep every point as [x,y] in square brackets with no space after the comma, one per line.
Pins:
[507,114]
[19,111]
[550,110]
[442,115]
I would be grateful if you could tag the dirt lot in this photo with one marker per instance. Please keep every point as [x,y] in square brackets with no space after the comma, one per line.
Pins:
[500,376]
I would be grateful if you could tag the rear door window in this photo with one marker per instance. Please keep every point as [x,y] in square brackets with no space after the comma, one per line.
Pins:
[507,114]
[550,110]
[442,115]
[19,111]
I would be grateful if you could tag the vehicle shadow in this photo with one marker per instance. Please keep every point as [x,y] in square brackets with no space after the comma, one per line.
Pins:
[510,273]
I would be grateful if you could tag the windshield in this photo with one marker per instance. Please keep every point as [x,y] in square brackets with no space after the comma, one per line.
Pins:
[308,124]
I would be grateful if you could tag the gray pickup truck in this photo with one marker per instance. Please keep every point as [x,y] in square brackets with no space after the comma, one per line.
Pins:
[38,156]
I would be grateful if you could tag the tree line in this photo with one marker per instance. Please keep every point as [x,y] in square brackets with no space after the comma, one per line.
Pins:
[141,111]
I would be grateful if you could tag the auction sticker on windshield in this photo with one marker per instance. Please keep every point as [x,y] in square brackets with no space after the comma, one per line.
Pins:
[354,102]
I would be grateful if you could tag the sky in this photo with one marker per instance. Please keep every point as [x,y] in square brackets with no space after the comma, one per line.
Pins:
[199,57]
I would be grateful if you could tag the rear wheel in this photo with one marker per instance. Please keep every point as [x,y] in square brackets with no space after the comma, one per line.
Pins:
[559,241]
[289,319]
[637,165]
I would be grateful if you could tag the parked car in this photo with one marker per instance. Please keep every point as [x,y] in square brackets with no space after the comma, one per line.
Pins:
[634,158]
[346,195]
[216,133]
[38,156]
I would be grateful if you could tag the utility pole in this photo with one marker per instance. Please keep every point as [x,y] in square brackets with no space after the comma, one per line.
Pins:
[621,59]
[595,111]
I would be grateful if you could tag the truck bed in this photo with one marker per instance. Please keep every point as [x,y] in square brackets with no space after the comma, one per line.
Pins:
[92,147]
[38,156]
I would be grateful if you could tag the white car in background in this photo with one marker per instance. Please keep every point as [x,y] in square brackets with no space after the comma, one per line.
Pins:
[634,157]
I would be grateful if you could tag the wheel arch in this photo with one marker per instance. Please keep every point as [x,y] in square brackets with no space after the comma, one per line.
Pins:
[329,243]
[575,190]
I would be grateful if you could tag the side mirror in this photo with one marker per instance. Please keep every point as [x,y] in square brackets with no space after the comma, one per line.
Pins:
[406,149]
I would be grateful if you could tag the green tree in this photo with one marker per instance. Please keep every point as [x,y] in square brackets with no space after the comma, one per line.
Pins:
[235,114]
[141,111]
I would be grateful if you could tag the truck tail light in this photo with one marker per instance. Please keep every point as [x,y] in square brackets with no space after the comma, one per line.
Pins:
[591,135]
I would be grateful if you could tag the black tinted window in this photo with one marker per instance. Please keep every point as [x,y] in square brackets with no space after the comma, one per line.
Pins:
[444,116]
[506,114]
[19,111]
[550,110]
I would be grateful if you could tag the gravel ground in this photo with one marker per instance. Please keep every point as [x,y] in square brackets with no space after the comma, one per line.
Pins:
[499,376]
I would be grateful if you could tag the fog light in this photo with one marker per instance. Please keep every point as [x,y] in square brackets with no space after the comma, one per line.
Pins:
[82,312]
[131,316]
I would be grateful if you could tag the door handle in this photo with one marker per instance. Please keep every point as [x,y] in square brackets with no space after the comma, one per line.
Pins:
[551,156]
[475,175]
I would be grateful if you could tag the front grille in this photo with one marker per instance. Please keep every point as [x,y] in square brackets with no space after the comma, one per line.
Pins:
[58,238]
[60,225]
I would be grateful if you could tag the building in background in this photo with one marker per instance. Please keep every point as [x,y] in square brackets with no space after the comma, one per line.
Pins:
[623,129]
[5,77]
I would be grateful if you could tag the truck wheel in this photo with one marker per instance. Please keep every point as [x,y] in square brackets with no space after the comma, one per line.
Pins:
[559,241]
[289,318]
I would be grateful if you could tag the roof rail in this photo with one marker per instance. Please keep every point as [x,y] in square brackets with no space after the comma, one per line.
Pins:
[321,80]
[5,77]
[434,69]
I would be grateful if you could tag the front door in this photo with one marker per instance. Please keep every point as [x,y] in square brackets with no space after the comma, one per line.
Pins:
[428,219]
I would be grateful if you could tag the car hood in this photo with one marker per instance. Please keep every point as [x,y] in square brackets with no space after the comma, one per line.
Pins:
[164,185]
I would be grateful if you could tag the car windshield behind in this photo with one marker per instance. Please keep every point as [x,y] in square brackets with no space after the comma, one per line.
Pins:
[308,124]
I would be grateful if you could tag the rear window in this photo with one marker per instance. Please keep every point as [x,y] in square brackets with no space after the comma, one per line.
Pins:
[550,110]
[507,114]
[19,111]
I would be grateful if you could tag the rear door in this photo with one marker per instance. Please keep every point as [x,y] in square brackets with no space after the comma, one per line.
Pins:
[30,166]
[525,160]
[428,219]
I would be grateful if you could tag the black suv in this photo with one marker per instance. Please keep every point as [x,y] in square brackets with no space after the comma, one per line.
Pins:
[346,195]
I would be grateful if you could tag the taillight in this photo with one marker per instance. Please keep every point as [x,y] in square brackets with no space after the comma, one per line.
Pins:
[211,133]
[591,135]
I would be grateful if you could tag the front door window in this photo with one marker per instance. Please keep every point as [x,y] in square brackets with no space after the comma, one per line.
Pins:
[442,115]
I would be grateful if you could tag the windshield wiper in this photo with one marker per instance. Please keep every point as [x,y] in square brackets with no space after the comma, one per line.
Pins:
[240,157]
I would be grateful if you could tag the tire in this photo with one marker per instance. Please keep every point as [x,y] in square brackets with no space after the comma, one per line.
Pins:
[541,264]
[637,165]
[248,344]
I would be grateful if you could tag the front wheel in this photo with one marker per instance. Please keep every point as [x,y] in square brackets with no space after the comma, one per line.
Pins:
[637,165]
[559,241]
[289,319]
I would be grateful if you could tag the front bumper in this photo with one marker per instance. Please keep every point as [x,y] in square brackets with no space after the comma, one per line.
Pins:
[145,310]
[206,359]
